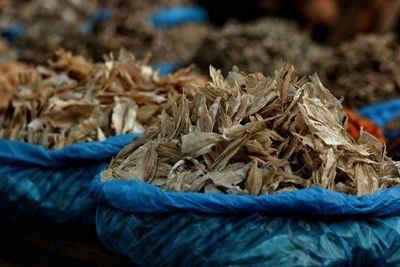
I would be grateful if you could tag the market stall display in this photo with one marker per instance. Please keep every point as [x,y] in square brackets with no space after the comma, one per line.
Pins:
[211,185]
[62,124]
[200,133]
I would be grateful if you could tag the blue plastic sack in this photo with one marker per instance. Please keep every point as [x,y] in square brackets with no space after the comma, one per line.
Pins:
[139,197]
[177,15]
[194,239]
[167,68]
[99,16]
[150,227]
[50,185]
[13,32]
[382,114]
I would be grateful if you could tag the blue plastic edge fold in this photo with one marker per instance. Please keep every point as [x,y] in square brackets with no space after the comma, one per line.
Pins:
[20,153]
[178,15]
[139,197]
[383,113]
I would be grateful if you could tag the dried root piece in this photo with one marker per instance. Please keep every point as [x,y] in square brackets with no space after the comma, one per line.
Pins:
[76,100]
[250,134]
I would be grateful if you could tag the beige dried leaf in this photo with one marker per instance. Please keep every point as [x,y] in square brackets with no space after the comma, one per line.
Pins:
[254,180]
[195,144]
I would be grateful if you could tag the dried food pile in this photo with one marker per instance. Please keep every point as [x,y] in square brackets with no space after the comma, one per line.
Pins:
[365,70]
[76,100]
[250,134]
[260,45]
[129,27]
[13,73]
[47,26]
[72,25]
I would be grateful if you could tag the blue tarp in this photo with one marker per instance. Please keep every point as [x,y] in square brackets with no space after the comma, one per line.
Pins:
[382,114]
[150,227]
[177,15]
[193,239]
[13,32]
[139,197]
[50,185]
[167,68]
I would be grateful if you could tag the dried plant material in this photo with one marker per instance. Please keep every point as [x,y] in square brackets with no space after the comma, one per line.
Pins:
[11,75]
[365,70]
[260,45]
[49,26]
[254,180]
[129,27]
[251,134]
[77,100]
[6,52]
[73,26]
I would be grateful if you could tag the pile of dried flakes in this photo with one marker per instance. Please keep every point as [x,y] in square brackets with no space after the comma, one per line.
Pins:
[76,100]
[249,134]
[55,24]
[262,44]
[129,27]
[365,70]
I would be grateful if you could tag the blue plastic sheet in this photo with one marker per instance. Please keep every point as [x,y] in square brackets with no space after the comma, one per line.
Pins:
[50,185]
[382,114]
[150,227]
[13,32]
[193,239]
[99,16]
[177,15]
[139,197]
[166,68]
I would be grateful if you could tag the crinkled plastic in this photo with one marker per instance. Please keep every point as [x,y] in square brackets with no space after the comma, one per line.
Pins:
[382,114]
[178,15]
[50,185]
[193,239]
[150,227]
[139,197]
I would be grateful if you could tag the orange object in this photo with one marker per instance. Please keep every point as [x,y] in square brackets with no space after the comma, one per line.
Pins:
[10,77]
[356,122]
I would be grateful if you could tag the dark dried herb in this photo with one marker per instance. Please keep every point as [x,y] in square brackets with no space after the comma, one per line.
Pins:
[260,45]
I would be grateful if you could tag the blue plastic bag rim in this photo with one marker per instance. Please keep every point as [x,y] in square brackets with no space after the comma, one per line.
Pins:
[176,15]
[166,68]
[382,113]
[21,153]
[139,197]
